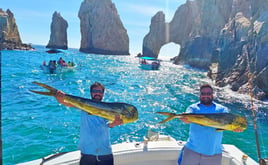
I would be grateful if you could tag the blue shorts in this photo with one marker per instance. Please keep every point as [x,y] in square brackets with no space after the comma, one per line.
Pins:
[96,160]
[189,157]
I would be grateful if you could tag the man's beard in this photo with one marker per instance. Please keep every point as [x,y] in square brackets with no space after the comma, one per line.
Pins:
[206,101]
[97,98]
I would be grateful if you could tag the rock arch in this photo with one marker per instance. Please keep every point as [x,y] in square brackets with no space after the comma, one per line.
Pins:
[169,51]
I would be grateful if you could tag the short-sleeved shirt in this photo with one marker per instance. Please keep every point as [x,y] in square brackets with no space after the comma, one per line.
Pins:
[94,135]
[203,139]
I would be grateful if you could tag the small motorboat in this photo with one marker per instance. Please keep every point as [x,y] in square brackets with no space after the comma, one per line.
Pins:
[149,63]
[54,68]
[53,51]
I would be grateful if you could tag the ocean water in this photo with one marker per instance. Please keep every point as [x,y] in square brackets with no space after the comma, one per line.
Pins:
[34,126]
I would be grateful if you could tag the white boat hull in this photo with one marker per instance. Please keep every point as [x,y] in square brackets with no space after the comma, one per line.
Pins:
[163,151]
[59,69]
[150,66]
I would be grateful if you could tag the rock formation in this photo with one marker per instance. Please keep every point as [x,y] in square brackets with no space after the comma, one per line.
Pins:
[102,31]
[9,33]
[58,36]
[231,35]
[157,36]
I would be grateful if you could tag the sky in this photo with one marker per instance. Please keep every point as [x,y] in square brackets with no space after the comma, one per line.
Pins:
[33,18]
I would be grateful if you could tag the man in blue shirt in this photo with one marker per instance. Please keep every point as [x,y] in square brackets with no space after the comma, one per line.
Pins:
[94,141]
[204,145]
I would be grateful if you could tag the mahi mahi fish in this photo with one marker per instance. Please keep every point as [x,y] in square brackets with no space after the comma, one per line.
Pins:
[220,121]
[128,113]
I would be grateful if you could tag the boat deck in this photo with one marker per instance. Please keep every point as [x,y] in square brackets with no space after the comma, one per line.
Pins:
[164,150]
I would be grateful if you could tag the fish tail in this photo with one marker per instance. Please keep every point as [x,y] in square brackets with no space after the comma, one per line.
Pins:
[170,116]
[52,91]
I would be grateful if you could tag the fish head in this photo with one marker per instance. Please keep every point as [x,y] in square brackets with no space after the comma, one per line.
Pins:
[130,112]
[240,122]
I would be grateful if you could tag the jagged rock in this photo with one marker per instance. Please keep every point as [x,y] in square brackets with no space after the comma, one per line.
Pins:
[244,52]
[9,33]
[190,22]
[261,32]
[157,37]
[262,83]
[58,35]
[197,53]
[102,31]
[222,33]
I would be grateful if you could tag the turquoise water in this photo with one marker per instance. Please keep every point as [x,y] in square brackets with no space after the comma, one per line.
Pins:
[34,126]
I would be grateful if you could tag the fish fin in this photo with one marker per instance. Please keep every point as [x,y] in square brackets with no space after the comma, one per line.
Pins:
[167,113]
[171,116]
[219,130]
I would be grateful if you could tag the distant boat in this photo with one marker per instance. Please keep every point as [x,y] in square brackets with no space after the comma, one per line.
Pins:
[51,51]
[56,68]
[154,150]
[149,63]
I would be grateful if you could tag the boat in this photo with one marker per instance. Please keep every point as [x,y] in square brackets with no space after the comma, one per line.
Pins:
[54,68]
[149,63]
[156,149]
[53,51]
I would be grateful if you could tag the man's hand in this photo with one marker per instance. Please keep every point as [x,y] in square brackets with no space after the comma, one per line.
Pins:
[60,98]
[117,121]
[238,130]
[185,120]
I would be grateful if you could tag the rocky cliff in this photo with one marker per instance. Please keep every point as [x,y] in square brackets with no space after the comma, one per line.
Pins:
[58,35]
[9,33]
[157,37]
[102,31]
[229,38]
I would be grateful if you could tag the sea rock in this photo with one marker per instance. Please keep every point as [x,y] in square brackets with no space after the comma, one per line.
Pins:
[244,52]
[102,31]
[190,23]
[228,38]
[9,33]
[262,83]
[58,35]
[197,53]
[157,37]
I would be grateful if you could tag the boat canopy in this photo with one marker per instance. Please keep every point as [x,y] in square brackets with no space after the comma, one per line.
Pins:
[148,58]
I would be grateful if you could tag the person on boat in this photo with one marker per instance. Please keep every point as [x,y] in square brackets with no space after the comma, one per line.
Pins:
[94,141]
[70,64]
[64,64]
[60,61]
[204,145]
[143,61]
[51,66]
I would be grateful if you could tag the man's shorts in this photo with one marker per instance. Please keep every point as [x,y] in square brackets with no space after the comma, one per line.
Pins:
[189,157]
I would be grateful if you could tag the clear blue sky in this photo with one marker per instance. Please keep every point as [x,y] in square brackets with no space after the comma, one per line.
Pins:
[34,17]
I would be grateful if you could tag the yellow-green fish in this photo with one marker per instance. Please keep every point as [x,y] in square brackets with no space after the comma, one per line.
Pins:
[221,121]
[128,113]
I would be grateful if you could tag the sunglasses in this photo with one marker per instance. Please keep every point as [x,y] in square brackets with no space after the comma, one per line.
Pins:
[206,93]
[97,91]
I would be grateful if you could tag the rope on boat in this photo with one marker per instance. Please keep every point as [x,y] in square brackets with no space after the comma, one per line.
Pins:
[254,44]
[254,115]
[45,159]
[250,76]
[250,86]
